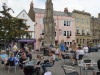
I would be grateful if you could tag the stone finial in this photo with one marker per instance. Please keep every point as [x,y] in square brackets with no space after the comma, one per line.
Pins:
[66,10]
[31,5]
[49,0]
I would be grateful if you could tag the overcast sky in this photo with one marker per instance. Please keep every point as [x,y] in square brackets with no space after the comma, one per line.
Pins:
[91,6]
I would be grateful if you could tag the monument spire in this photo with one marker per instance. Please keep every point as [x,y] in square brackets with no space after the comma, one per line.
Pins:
[49,27]
[50,1]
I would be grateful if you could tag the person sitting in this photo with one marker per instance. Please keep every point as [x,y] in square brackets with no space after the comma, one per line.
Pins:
[37,65]
[86,50]
[48,73]
[12,58]
[62,47]
[20,52]
[49,62]
[3,57]
[79,54]
[58,53]
[29,55]
[22,60]
[15,49]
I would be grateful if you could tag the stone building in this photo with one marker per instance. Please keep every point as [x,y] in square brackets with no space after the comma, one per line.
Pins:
[82,26]
[95,29]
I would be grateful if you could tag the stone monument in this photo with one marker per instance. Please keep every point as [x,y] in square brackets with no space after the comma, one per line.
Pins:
[49,25]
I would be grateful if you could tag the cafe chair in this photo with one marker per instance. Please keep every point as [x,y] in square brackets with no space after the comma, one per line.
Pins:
[48,65]
[88,65]
[69,70]
[66,58]
[28,70]
[97,73]
[80,57]
[11,65]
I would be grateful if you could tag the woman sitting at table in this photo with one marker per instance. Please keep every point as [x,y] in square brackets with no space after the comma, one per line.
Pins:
[12,58]
[37,65]
[29,55]
[79,54]
[22,60]
[58,53]
[3,57]
[49,62]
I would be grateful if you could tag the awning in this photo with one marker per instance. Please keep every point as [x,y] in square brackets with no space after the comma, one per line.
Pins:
[27,40]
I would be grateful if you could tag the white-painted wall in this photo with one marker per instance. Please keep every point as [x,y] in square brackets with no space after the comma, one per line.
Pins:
[29,22]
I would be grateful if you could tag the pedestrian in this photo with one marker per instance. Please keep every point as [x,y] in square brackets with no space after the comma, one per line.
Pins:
[62,47]
[86,50]
[98,64]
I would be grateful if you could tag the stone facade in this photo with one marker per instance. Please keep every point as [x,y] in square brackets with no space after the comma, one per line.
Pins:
[49,26]
[82,24]
[95,29]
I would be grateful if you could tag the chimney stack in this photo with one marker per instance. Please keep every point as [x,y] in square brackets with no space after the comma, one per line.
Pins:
[98,15]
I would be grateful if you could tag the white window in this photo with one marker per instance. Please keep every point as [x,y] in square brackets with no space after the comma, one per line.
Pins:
[67,23]
[83,32]
[64,23]
[68,43]
[55,21]
[82,21]
[77,30]
[64,33]
[87,21]
[69,33]
[77,19]
[87,30]
[42,32]
[24,21]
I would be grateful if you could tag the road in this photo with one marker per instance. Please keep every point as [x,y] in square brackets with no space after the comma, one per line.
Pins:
[56,69]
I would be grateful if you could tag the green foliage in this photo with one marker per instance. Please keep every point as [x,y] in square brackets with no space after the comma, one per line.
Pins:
[79,45]
[11,27]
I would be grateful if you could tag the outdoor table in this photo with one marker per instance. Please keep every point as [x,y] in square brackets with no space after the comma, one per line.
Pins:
[81,65]
[30,63]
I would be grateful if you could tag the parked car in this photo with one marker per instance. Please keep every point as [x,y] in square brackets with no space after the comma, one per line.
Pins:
[93,49]
[98,46]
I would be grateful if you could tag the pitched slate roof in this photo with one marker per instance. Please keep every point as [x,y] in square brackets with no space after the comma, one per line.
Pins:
[81,12]
[56,13]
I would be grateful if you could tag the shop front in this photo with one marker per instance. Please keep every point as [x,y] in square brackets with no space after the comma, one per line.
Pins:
[29,42]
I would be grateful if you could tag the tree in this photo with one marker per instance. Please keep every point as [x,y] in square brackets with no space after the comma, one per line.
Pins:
[11,27]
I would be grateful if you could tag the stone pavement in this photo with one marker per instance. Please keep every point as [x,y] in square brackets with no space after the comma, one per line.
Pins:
[56,69]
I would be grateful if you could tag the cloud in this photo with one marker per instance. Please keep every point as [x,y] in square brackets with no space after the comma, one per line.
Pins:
[91,6]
